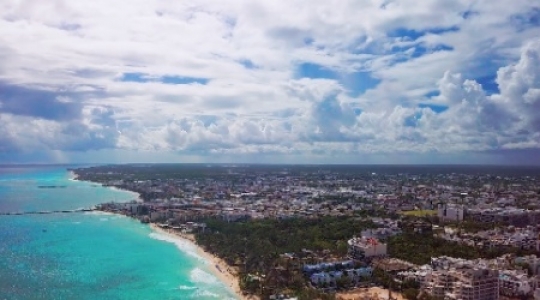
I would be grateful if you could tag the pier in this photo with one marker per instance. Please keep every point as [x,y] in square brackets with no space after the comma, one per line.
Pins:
[47,212]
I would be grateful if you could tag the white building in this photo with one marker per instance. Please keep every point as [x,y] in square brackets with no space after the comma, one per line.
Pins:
[366,247]
[158,215]
[450,213]
[461,279]
[464,284]
[514,284]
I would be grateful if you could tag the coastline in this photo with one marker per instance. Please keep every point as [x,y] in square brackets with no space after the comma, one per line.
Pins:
[73,175]
[217,266]
[137,197]
[224,273]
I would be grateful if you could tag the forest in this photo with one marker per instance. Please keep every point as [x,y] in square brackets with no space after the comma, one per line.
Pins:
[419,248]
[256,248]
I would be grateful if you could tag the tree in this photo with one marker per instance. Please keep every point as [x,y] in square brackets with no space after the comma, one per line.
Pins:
[256,245]
[342,247]
[343,282]
[411,293]
[410,284]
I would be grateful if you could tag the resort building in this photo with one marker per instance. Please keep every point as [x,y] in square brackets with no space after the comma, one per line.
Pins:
[328,273]
[464,284]
[514,284]
[457,279]
[329,278]
[366,247]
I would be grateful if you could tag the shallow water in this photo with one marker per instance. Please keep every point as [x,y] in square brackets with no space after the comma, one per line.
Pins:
[89,255]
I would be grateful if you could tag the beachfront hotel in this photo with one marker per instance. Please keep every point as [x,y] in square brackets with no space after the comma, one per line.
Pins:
[366,247]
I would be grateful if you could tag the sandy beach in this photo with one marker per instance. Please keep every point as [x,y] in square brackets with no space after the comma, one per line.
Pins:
[137,196]
[219,267]
[73,176]
[374,293]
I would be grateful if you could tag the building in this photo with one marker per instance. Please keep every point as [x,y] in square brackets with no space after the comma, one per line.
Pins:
[381,233]
[464,284]
[366,247]
[450,213]
[514,284]
[532,261]
[329,278]
[508,215]
[159,215]
[456,279]
[475,284]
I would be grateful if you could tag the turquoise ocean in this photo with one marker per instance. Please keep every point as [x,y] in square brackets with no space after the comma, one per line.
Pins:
[89,255]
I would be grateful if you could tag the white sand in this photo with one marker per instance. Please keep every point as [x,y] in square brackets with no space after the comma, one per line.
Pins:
[373,293]
[137,196]
[72,175]
[219,267]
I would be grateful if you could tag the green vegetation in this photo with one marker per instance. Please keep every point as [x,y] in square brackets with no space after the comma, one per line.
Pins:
[255,248]
[473,227]
[420,213]
[419,248]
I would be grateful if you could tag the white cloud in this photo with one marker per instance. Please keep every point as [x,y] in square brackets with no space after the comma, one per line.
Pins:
[255,101]
[520,87]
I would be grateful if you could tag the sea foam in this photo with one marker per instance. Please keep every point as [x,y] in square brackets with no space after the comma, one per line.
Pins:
[99,213]
[205,293]
[185,287]
[183,245]
[157,270]
[199,276]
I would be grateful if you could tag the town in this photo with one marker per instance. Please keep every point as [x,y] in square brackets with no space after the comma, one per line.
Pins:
[347,232]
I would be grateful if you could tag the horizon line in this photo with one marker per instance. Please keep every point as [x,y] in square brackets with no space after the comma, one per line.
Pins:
[272,164]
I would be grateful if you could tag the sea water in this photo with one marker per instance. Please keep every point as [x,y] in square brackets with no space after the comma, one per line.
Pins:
[89,255]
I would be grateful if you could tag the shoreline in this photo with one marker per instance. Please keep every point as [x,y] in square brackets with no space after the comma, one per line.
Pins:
[224,273]
[219,268]
[75,177]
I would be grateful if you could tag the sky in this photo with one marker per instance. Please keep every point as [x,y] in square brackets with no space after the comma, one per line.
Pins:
[281,81]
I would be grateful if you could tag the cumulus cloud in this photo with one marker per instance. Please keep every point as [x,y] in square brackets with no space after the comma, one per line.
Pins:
[229,78]
[520,86]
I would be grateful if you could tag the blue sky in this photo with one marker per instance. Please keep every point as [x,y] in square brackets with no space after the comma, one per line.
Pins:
[270,81]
